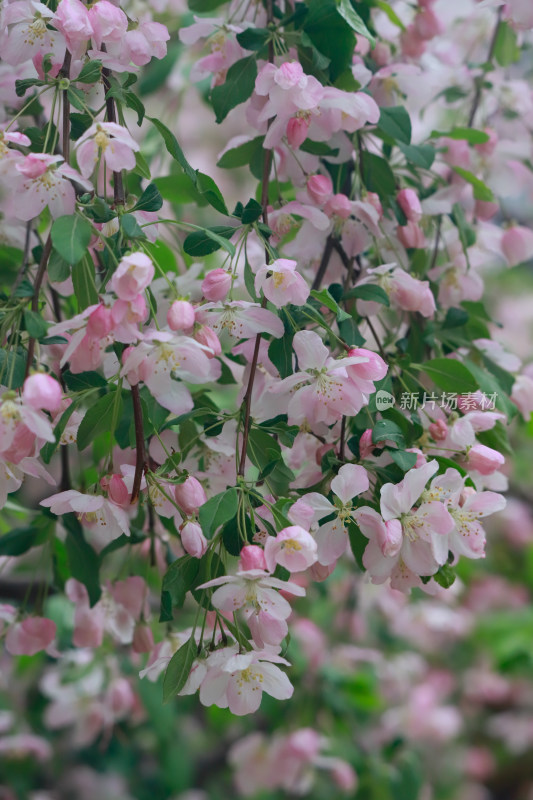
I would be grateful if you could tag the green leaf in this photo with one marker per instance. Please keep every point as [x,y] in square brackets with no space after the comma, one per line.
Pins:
[506,49]
[83,561]
[280,353]
[83,280]
[71,235]
[353,19]
[180,578]
[58,268]
[396,122]
[209,240]
[386,429]
[178,189]
[150,200]
[253,38]
[481,190]
[377,175]
[251,212]
[331,35]
[22,86]
[179,669]
[369,292]
[450,375]
[239,85]
[35,324]
[445,576]
[420,155]
[325,299]
[141,166]
[131,228]
[358,543]
[174,148]
[12,369]
[389,11]
[208,188]
[76,98]
[205,5]
[81,381]
[242,155]
[20,540]
[218,510]
[265,453]
[48,450]
[471,135]
[90,72]
[98,418]
[405,460]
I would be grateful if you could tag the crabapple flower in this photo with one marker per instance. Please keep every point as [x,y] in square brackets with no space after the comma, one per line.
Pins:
[405,292]
[241,320]
[483,459]
[25,33]
[281,283]
[41,391]
[216,284]
[322,391]
[73,20]
[44,181]
[132,276]
[522,395]
[293,548]
[109,23]
[332,537]
[106,519]
[410,204]
[319,188]
[30,636]
[190,495]
[110,141]
[180,316]
[240,680]
[405,541]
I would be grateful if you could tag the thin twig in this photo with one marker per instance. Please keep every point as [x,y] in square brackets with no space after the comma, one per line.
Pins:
[324,261]
[35,298]
[139,443]
[65,72]
[480,79]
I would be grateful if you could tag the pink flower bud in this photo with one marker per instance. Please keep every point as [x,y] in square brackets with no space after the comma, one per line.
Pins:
[297,128]
[41,391]
[381,54]
[438,430]
[252,557]
[216,284]
[427,24]
[120,696]
[373,199]
[190,495]
[132,276]
[457,152]
[365,444]
[410,204]
[193,541]
[344,776]
[339,205]
[117,491]
[143,639]
[207,336]
[484,459]
[72,19]
[30,636]
[372,370]
[517,245]
[319,188]
[413,46]
[485,209]
[421,457]
[411,236]
[319,572]
[109,23]
[390,538]
[180,316]
[100,322]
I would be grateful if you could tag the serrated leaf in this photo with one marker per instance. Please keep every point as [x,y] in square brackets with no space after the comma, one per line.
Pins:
[239,85]
[71,235]
[150,200]
[179,669]
[218,510]
[450,375]
[405,460]
[386,429]
[396,122]
[90,72]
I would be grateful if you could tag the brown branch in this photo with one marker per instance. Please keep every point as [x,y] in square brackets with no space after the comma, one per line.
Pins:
[139,443]
[65,73]
[35,298]
[324,261]
[480,79]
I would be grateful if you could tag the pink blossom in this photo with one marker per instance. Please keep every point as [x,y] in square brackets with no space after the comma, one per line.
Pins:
[281,283]
[110,141]
[484,460]
[522,395]
[319,188]
[293,548]
[41,391]
[44,181]
[241,320]
[322,391]
[338,206]
[193,540]
[117,491]
[404,291]
[108,22]
[410,204]
[252,557]
[190,495]
[205,335]
[240,680]
[106,519]
[30,636]
[180,316]
[517,245]
[25,33]
[132,276]
[216,284]
[73,20]
[411,235]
